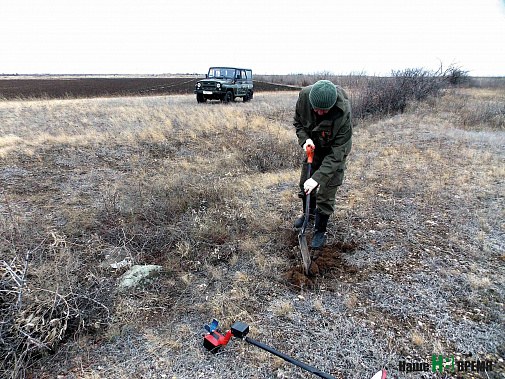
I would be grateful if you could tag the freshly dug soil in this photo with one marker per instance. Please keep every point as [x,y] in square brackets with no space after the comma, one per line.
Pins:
[325,261]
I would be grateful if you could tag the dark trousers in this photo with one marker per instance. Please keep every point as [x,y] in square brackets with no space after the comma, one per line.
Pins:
[323,197]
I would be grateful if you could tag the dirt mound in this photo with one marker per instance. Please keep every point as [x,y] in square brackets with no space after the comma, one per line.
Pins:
[327,261]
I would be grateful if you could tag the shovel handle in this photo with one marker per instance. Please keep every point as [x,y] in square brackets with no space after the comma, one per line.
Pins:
[310,154]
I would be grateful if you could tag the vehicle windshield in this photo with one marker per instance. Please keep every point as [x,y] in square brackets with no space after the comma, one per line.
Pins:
[221,73]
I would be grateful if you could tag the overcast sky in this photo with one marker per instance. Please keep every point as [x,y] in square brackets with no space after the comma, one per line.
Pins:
[268,36]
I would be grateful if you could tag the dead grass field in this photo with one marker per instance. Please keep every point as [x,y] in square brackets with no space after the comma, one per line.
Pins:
[208,191]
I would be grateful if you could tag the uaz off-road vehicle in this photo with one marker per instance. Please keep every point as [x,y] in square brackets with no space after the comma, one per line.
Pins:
[225,84]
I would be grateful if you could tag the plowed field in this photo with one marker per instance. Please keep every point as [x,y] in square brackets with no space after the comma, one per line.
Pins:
[105,87]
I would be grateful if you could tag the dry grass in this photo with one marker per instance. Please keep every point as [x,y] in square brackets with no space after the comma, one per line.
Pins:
[472,109]
[209,192]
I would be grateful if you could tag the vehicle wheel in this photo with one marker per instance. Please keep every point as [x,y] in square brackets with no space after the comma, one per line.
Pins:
[247,97]
[251,95]
[200,98]
[228,97]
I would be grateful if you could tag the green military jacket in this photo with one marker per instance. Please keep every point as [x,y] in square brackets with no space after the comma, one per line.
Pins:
[331,133]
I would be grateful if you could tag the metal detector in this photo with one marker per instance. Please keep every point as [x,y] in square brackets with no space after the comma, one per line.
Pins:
[213,341]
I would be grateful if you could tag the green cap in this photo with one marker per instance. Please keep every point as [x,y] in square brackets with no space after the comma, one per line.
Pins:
[323,95]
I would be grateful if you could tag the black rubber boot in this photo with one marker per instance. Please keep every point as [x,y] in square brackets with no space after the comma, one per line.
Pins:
[319,238]
[299,223]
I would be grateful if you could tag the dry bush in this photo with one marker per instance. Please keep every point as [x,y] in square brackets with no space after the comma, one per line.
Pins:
[371,95]
[46,299]
[391,95]
[456,76]
[378,96]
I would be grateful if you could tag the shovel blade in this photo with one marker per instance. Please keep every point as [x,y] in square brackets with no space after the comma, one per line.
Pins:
[304,248]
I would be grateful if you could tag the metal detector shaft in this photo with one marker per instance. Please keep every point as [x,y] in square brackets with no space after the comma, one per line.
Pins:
[289,359]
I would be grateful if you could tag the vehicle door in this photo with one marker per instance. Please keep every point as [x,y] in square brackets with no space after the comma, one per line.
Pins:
[241,82]
[249,82]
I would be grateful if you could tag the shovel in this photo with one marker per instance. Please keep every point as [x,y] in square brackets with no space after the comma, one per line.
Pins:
[302,239]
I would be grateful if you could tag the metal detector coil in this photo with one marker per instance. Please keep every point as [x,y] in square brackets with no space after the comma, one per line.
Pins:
[213,341]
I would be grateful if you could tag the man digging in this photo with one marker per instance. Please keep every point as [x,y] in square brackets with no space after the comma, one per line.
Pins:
[323,122]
